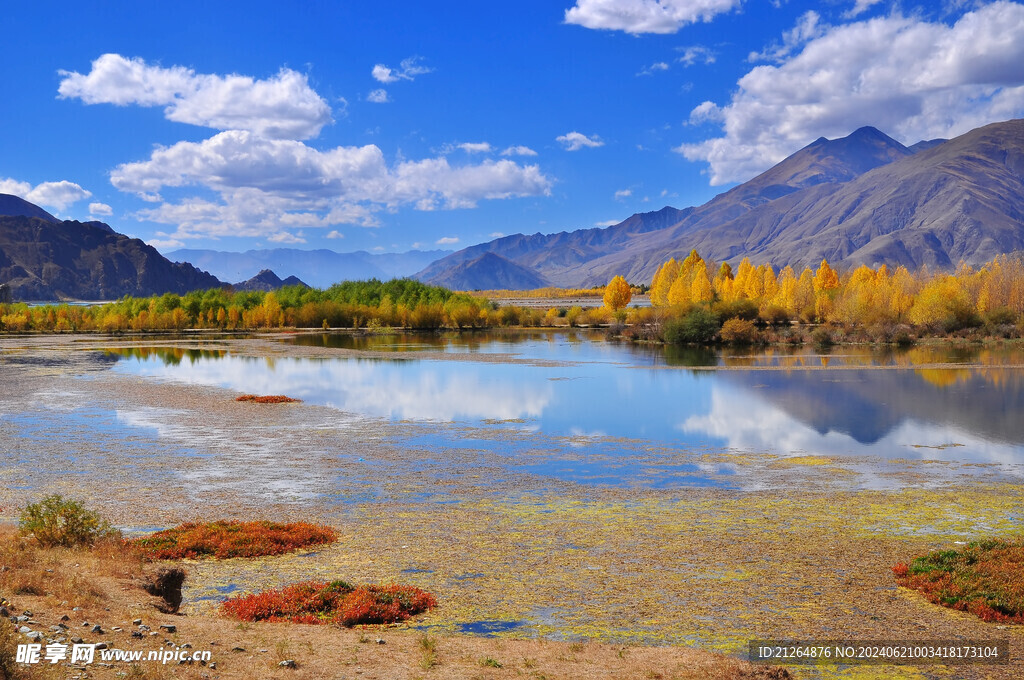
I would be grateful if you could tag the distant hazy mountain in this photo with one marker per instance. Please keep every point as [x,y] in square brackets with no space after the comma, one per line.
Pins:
[490,272]
[42,258]
[864,198]
[267,281]
[320,268]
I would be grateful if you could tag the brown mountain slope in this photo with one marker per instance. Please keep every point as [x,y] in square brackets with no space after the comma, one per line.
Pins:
[592,256]
[962,200]
[51,260]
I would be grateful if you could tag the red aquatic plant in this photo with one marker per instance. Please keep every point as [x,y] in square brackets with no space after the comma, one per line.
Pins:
[269,399]
[334,602]
[222,539]
[984,578]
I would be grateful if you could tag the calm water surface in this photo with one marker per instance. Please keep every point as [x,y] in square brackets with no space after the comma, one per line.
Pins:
[922,403]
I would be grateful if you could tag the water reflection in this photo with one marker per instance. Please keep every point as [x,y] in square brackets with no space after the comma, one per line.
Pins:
[890,403]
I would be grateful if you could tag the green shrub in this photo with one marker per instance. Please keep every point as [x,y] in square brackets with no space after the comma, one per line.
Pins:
[59,521]
[696,326]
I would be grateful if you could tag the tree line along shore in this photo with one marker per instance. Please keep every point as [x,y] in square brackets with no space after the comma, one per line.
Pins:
[692,301]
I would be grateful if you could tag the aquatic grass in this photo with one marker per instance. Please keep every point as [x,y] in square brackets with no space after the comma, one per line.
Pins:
[334,602]
[223,539]
[984,578]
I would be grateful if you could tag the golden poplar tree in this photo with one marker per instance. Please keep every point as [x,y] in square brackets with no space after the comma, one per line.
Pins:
[617,293]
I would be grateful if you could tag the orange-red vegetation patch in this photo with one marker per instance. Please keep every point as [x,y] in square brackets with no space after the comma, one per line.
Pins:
[335,602]
[223,539]
[985,578]
[269,399]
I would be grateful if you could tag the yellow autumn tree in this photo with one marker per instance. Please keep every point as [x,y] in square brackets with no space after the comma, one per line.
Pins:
[700,287]
[662,282]
[617,294]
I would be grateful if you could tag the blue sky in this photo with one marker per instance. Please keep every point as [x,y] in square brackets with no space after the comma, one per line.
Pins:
[350,126]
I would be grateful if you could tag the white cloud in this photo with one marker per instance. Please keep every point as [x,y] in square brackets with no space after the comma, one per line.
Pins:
[860,7]
[265,184]
[100,209]
[281,107]
[653,68]
[808,27]
[165,243]
[911,78]
[409,69]
[519,151]
[623,193]
[286,237]
[475,147]
[645,16]
[334,233]
[574,141]
[58,195]
[497,234]
[447,240]
[695,54]
[607,223]
[378,97]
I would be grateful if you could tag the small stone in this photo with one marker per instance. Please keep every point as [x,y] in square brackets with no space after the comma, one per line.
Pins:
[137,622]
[102,645]
[76,640]
[238,649]
[65,618]
[27,613]
[185,646]
[288,663]
[213,666]
[5,612]
[116,629]
[98,629]
[85,624]
[170,628]
[137,635]
[54,629]
[152,633]
[24,630]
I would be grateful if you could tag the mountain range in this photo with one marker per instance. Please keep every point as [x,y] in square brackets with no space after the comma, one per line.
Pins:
[862,199]
[320,268]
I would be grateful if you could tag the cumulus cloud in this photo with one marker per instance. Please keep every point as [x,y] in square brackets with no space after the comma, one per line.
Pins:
[623,193]
[57,195]
[165,243]
[281,107]
[607,223]
[409,69]
[911,78]
[267,184]
[574,141]
[379,96]
[475,147]
[519,151]
[447,241]
[645,16]
[286,237]
[334,233]
[100,209]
